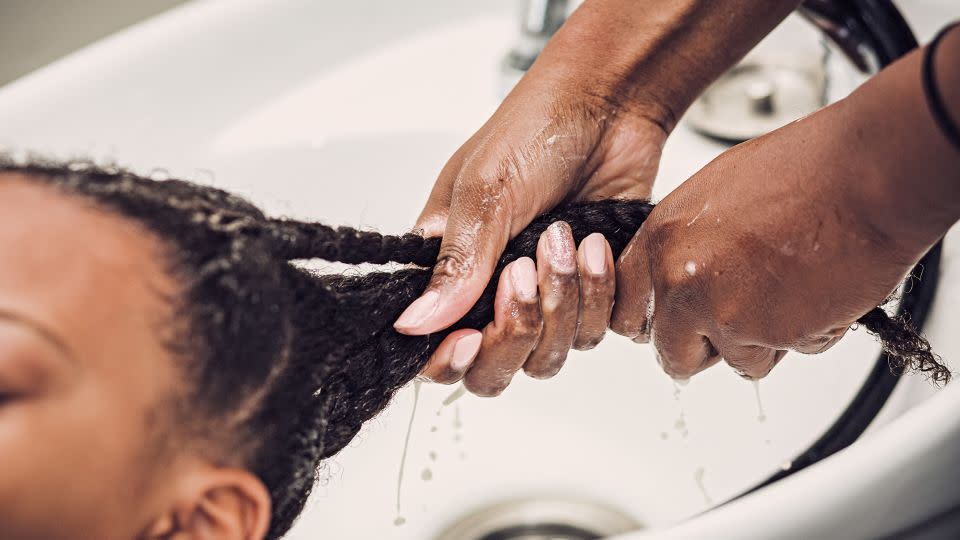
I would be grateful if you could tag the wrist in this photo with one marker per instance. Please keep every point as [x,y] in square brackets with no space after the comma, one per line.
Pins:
[578,63]
[904,167]
[655,58]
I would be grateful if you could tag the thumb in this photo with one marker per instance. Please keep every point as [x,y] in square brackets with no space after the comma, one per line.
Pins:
[476,232]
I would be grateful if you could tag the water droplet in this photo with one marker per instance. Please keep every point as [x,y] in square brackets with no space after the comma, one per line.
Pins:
[426,475]
[664,435]
[761,415]
[786,465]
[399,521]
[433,456]
[433,429]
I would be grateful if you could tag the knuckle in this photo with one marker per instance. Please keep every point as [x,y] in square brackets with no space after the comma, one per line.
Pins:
[523,328]
[493,183]
[452,261]
[678,280]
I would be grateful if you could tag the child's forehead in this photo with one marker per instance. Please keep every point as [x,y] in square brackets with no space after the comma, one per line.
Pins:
[98,278]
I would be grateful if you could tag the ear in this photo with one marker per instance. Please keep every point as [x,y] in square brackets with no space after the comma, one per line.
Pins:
[216,504]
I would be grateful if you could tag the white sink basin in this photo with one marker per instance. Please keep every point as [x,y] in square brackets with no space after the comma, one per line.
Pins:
[345,112]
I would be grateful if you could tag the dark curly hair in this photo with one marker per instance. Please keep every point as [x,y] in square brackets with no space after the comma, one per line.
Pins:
[285,365]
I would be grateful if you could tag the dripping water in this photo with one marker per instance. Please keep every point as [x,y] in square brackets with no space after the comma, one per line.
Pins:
[680,425]
[406,445]
[698,478]
[761,414]
[455,395]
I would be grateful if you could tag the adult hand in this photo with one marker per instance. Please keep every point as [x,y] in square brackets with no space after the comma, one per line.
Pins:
[545,145]
[588,121]
[785,241]
[756,254]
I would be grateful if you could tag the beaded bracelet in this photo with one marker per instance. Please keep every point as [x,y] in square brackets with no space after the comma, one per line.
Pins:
[934,100]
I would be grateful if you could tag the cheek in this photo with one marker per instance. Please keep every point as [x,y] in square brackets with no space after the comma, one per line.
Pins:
[70,469]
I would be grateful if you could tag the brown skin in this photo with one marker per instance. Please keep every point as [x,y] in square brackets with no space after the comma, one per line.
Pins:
[795,235]
[606,91]
[533,325]
[587,122]
[84,384]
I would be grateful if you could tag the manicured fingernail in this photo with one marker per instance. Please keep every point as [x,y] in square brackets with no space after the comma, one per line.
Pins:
[595,253]
[419,311]
[464,351]
[560,247]
[523,274]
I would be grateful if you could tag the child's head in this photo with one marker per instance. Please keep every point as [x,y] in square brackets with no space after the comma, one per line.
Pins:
[167,372]
[164,367]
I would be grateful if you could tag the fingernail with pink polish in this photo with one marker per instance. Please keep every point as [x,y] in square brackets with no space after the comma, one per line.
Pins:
[523,275]
[419,311]
[595,253]
[464,351]
[560,247]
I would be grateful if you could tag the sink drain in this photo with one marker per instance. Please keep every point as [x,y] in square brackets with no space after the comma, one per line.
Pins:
[541,518]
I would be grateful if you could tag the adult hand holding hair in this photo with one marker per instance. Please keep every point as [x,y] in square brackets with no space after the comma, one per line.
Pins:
[587,122]
[784,241]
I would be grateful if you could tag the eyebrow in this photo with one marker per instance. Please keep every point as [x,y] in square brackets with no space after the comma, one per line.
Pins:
[40,330]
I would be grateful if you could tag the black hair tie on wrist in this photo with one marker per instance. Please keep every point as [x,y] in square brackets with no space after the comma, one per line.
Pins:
[934,100]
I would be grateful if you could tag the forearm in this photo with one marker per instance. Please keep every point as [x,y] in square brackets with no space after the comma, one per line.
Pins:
[915,170]
[658,55]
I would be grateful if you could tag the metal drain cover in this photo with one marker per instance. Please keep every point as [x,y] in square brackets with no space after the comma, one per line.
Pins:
[541,518]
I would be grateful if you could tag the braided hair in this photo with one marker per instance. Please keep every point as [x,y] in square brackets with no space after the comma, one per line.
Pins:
[286,364]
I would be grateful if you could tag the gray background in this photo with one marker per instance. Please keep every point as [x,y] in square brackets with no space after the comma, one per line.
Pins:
[36,32]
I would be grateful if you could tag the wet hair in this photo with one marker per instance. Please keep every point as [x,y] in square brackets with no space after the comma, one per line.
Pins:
[285,364]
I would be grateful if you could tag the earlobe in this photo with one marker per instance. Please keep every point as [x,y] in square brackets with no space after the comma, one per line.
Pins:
[225,504]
